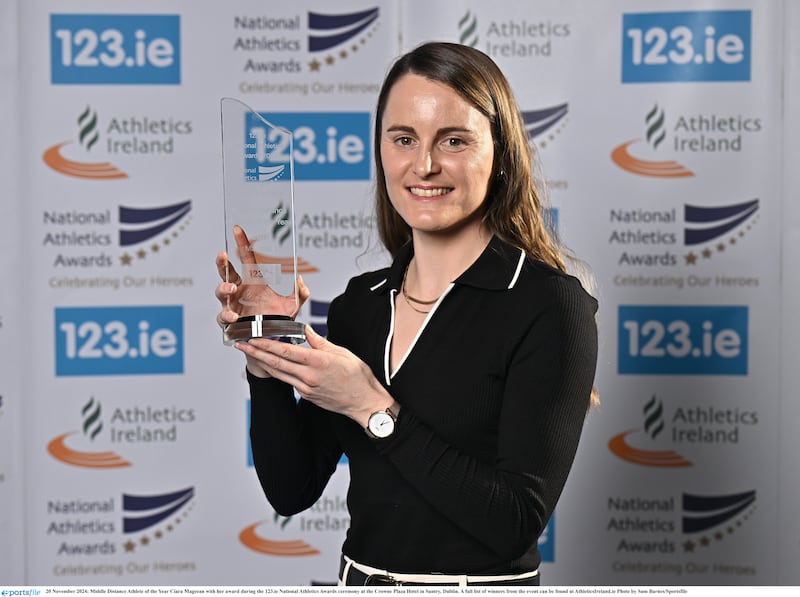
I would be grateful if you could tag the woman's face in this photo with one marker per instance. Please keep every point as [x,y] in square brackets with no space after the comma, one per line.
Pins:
[437,154]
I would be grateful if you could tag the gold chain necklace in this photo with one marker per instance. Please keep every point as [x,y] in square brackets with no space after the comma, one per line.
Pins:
[410,299]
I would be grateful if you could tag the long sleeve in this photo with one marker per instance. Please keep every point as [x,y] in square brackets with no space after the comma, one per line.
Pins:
[294,449]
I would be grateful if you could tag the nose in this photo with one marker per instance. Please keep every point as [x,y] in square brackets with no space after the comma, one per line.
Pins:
[424,164]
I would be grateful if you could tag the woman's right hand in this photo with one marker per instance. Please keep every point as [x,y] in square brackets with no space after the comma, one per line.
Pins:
[238,299]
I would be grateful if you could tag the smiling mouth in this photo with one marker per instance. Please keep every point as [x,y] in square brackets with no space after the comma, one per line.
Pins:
[437,192]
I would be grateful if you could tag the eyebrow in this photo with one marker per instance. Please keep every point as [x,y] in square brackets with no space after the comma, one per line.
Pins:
[399,128]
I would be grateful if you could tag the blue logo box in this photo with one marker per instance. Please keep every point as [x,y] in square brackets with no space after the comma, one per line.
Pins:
[120,49]
[706,45]
[682,340]
[140,340]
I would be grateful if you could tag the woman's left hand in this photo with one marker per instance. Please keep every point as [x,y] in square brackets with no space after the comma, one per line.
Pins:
[326,374]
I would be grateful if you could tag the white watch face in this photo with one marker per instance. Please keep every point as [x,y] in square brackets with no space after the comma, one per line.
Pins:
[381,424]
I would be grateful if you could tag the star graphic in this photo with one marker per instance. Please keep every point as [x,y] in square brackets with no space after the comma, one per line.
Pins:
[330,60]
[314,65]
[707,253]
[688,546]
[691,258]
[720,247]
[141,253]
[125,259]
[129,546]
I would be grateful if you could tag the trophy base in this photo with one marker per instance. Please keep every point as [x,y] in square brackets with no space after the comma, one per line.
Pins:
[274,327]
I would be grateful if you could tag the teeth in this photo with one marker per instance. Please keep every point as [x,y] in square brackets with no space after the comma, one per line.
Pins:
[428,192]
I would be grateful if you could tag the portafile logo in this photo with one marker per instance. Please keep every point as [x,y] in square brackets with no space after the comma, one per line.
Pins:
[88,136]
[623,445]
[335,37]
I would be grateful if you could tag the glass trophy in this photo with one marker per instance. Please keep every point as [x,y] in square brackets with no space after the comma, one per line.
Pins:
[258,189]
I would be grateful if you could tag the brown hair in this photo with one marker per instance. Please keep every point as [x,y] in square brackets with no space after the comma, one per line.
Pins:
[513,207]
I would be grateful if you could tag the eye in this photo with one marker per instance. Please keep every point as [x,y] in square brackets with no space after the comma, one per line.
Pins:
[404,141]
[453,144]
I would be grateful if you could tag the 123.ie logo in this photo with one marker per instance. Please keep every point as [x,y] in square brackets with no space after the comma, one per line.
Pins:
[131,340]
[703,45]
[122,49]
[326,146]
[682,339]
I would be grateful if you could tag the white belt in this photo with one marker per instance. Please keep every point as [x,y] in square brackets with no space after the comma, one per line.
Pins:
[457,579]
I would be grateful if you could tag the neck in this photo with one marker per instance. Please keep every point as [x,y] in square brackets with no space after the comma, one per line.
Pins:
[438,261]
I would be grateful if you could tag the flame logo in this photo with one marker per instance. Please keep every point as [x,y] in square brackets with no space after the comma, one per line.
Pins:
[655,134]
[621,447]
[92,426]
[88,134]
[655,127]
[468,30]
[280,216]
[653,422]
[88,137]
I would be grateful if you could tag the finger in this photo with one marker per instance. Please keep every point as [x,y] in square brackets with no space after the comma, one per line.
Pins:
[243,246]
[314,339]
[303,292]
[276,364]
[226,270]
[226,317]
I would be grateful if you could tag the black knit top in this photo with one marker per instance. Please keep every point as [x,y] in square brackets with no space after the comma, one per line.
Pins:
[494,392]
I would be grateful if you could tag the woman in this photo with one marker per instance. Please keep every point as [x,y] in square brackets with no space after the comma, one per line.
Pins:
[457,379]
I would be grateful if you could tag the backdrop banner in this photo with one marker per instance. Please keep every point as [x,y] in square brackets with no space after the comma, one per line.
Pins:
[666,151]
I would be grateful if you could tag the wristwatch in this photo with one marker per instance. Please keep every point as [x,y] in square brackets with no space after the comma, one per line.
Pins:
[381,424]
